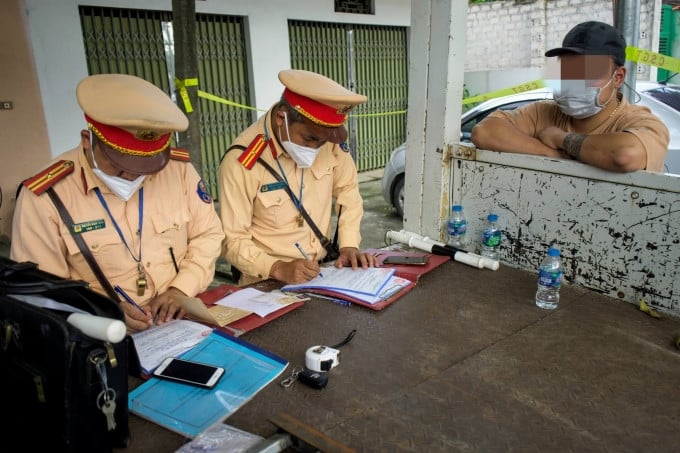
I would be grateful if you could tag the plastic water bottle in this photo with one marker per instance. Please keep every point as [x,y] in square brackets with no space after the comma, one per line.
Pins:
[491,238]
[549,280]
[457,226]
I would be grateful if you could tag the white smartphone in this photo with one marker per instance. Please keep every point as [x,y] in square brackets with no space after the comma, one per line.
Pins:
[189,372]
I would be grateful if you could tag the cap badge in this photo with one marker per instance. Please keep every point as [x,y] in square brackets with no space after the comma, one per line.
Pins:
[147,135]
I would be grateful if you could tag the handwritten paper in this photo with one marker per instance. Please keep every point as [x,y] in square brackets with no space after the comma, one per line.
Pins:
[167,340]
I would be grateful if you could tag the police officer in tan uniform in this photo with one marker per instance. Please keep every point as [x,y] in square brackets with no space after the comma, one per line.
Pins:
[301,139]
[141,208]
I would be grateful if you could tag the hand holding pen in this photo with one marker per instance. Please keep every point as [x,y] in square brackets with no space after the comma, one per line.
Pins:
[304,255]
[135,321]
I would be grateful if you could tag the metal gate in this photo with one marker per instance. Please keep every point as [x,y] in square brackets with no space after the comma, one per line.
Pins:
[371,60]
[140,43]
[223,72]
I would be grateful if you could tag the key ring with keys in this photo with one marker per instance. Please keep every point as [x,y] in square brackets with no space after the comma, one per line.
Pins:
[293,377]
[105,396]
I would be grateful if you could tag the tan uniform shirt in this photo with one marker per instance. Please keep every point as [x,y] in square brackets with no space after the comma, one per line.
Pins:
[635,119]
[260,220]
[178,214]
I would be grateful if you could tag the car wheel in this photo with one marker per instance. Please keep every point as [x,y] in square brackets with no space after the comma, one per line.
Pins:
[398,196]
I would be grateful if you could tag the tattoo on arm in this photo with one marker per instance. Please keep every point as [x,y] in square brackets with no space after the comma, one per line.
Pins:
[572,144]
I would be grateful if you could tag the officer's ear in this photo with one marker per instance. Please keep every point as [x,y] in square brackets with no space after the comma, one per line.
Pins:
[280,116]
[85,139]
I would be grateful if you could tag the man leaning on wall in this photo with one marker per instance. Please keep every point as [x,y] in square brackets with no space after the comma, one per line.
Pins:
[589,120]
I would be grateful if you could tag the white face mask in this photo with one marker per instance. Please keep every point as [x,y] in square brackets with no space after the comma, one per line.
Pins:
[302,155]
[578,100]
[121,187]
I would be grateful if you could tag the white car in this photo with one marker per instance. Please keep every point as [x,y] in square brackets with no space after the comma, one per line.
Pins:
[662,100]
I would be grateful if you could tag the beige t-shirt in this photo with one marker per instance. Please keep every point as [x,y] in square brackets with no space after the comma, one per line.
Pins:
[635,119]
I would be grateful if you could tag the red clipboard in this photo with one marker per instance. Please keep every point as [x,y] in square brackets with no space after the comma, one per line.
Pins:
[251,321]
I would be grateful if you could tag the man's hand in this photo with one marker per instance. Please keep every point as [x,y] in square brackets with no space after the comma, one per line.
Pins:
[135,320]
[165,308]
[351,256]
[553,137]
[499,134]
[296,271]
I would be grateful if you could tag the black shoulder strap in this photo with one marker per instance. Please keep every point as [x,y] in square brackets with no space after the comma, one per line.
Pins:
[241,147]
[337,227]
[68,220]
[331,249]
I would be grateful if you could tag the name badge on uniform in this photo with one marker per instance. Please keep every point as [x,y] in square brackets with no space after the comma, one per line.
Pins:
[273,186]
[90,225]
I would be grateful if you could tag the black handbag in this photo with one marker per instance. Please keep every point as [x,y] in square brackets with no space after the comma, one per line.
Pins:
[58,384]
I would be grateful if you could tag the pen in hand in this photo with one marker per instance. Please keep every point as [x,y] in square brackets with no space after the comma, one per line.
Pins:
[127,298]
[304,255]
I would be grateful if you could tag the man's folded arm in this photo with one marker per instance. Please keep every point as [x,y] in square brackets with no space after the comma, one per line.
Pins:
[498,134]
[616,151]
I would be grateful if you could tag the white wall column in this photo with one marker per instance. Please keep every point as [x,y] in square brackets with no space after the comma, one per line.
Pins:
[437,59]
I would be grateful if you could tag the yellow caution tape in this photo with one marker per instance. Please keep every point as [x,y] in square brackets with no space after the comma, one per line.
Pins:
[528,86]
[646,309]
[212,97]
[181,86]
[652,59]
[632,53]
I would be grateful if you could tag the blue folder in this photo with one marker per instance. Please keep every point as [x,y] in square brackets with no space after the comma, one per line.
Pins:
[190,410]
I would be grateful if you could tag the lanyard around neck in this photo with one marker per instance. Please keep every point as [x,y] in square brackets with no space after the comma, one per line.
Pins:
[298,200]
[115,224]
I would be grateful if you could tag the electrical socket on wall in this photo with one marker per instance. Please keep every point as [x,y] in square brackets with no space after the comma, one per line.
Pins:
[643,34]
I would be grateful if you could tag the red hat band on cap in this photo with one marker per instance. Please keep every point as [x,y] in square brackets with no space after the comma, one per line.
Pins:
[143,143]
[319,113]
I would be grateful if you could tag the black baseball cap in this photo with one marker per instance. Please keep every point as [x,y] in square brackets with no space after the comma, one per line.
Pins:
[593,38]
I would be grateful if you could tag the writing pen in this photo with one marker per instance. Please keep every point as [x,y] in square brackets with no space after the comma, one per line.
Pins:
[127,298]
[304,255]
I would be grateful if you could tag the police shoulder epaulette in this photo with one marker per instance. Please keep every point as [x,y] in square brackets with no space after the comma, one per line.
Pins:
[180,154]
[48,177]
[253,151]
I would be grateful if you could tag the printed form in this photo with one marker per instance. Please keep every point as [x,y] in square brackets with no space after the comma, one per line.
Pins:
[362,281]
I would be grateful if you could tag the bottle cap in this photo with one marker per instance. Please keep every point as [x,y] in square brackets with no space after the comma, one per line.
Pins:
[456,207]
[492,217]
[552,251]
